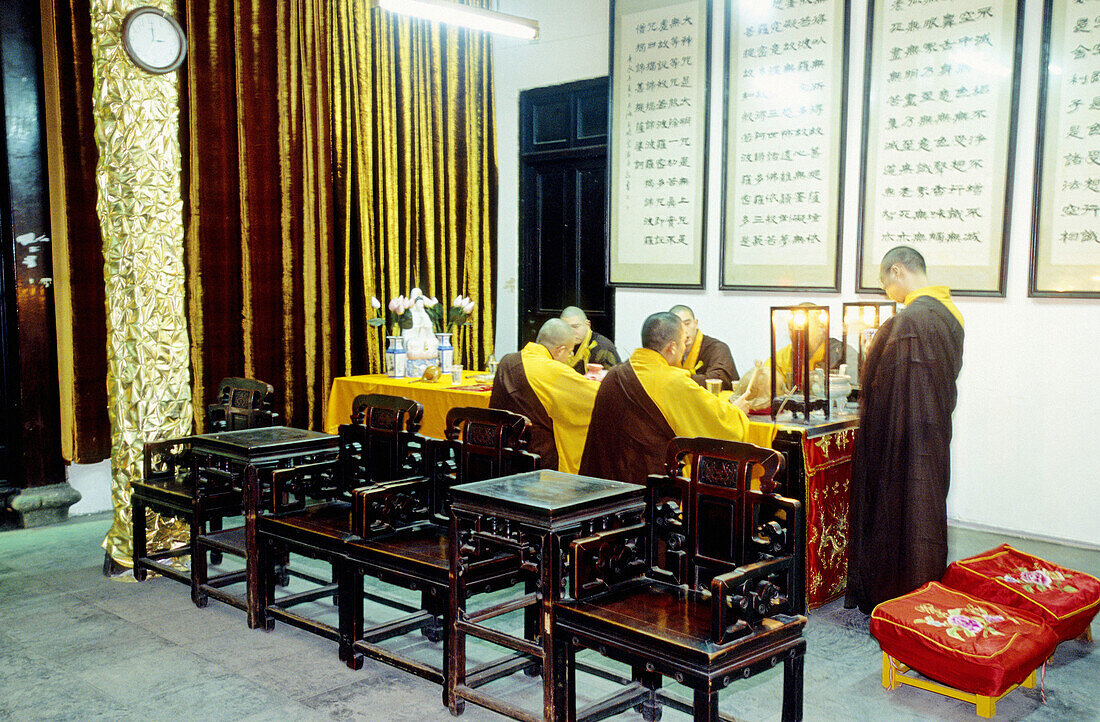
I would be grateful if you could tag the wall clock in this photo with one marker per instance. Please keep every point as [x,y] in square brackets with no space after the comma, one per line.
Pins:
[153,40]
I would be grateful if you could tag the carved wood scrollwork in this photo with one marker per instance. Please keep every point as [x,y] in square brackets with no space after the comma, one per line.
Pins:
[718,472]
[385,508]
[604,559]
[747,595]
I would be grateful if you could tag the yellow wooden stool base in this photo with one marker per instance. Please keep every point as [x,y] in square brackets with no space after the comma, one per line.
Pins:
[893,677]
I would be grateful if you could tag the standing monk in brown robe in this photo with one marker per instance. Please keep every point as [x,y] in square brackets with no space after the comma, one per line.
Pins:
[705,357]
[901,467]
[649,400]
[538,383]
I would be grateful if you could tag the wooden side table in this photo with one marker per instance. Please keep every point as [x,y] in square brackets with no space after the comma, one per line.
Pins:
[536,515]
[230,459]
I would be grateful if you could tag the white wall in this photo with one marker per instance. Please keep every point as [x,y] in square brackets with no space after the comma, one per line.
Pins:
[1022,456]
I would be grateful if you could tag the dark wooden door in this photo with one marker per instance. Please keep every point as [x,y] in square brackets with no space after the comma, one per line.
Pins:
[563,205]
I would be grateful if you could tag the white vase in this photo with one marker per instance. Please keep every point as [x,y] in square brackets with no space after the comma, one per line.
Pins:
[446,352]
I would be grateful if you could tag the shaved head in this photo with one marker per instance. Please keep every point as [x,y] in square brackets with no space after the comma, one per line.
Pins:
[570,313]
[660,329]
[578,321]
[555,332]
[691,324]
[906,256]
[901,272]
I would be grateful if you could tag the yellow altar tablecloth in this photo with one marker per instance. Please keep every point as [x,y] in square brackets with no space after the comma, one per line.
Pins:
[437,397]
[440,397]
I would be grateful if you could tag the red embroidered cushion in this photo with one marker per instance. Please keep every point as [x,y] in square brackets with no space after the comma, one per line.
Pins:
[962,641]
[1065,599]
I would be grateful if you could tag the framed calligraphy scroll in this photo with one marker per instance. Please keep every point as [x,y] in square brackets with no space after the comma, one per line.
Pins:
[660,63]
[1065,234]
[786,77]
[939,118]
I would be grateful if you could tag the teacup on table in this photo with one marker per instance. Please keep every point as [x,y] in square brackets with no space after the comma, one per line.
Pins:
[594,372]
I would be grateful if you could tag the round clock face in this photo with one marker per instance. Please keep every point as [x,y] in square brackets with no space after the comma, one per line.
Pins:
[154,40]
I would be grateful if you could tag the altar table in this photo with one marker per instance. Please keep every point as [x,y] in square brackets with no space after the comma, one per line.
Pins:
[438,397]
[818,470]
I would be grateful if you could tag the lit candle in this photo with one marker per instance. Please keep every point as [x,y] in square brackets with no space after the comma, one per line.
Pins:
[798,348]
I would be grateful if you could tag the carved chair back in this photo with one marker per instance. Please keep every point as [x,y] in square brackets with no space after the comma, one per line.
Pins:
[380,444]
[704,528]
[241,404]
[481,444]
[166,460]
[712,521]
[382,441]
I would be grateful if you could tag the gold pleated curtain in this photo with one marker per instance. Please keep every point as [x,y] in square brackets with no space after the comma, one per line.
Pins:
[330,153]
[414,138]
[262,293]
[335,153]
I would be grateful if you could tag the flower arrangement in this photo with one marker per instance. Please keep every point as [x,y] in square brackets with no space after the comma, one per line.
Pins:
[400,311]
[401,317]
[462,307]
[376,307]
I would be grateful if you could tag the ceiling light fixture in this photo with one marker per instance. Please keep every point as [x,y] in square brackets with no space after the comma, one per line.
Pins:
[463,15]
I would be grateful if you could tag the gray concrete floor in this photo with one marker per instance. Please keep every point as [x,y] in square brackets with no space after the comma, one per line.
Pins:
[76,645]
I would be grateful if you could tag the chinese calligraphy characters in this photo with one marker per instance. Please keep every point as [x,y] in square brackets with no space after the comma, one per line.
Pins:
[784,149]
[659,136]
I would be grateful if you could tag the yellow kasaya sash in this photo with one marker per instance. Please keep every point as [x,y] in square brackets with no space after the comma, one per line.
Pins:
[941,294]
[691,362]
[689,409]
[584,350]
[567,397]
[784,358]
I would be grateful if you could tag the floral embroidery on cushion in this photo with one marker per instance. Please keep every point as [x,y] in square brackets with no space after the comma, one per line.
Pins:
[1040,580]
[961,622]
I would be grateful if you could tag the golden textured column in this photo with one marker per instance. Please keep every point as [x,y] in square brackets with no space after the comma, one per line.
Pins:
[141,215]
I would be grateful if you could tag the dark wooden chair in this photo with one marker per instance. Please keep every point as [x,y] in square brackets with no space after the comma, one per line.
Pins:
[168,485]
[402,531]
[707,591]
[313,503]
[241,404]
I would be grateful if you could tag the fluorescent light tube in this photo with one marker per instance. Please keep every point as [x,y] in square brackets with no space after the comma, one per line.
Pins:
[464,16]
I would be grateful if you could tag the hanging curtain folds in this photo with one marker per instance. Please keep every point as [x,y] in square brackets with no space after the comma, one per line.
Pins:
[415,168]
[331,153]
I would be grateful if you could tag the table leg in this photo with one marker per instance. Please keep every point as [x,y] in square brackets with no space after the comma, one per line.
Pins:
[350,593]
[252,573]
[137,520]
[554,678]
[455,646]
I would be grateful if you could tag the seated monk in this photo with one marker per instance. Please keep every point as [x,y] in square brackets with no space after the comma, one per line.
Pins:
[706,357]
[592,348]
[537,383]
[647,401]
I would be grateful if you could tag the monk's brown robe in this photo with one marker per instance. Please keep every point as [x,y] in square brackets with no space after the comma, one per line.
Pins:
[628,435]
[715,362]
[901,464]
[512,392]
[600,351]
